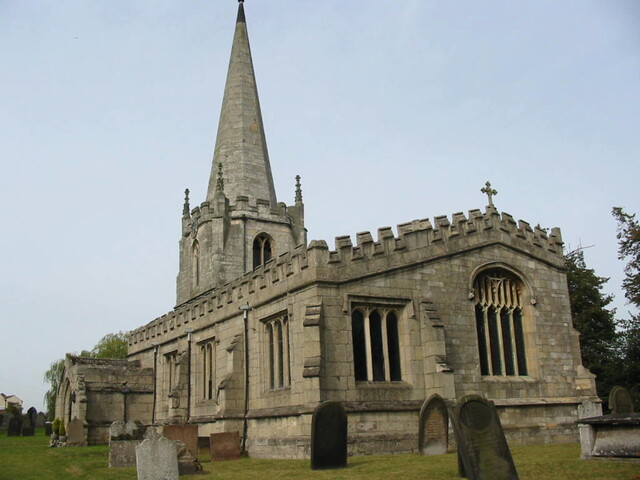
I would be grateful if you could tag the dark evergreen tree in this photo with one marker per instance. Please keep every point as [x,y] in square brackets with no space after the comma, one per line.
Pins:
[599,343]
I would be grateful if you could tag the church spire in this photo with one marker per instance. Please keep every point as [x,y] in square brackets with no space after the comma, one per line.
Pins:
[241,144]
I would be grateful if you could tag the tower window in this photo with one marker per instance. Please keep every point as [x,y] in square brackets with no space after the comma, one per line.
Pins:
[376,346]
[195,263]
[262,249]
[499,323]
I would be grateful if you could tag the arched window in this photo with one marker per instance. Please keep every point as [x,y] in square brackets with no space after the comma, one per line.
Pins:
[277,339]
[499,323]
[195,263]
[376,345]
[208,351]
[262,249]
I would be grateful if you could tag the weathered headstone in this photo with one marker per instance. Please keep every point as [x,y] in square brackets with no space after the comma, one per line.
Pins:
[587,409]
[187,434]
[224,446]
[187,462]
[41,419]
[15,426]
[76,434]
[156,457]
[329,436]
[433,432]
[123,440]
[48,429]
[620,401]
[483,452]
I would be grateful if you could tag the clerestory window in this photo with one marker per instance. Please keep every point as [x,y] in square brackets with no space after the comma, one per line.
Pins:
[499,323]
[376,346]
[262,249]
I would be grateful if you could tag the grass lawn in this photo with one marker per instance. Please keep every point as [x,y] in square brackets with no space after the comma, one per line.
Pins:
[30,458]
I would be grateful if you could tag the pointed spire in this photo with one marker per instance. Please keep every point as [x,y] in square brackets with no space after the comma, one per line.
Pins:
[241,142]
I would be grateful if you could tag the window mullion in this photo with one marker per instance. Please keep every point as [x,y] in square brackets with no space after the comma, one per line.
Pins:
[385,346]
[367,345]
[487,339]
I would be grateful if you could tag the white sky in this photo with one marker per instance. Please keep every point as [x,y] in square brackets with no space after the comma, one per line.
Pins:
[390,111]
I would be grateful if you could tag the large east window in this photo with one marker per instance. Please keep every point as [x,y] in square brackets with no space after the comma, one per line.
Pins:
[499,323]
[376,346]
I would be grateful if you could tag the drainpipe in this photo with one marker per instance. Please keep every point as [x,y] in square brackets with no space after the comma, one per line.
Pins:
[245,424]
[155,381]
[188,331]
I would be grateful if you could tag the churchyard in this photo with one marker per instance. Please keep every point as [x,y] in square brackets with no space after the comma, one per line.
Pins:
[30,458]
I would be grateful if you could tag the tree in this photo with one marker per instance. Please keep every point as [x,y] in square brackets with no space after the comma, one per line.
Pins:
[112,345]
[599,343]
[53,377]
[629,250]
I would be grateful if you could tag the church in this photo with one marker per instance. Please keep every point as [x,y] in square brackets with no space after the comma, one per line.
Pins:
[268,325]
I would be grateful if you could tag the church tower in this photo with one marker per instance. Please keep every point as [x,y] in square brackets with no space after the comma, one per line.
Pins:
[240,226]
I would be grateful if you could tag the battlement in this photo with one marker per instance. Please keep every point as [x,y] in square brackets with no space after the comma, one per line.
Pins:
[417,241]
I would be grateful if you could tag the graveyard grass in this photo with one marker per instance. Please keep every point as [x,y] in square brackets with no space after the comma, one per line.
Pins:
[30,458]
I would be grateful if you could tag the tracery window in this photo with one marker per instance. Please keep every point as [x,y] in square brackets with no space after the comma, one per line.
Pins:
[208,354]
[499,323]
[376,346]
[262,249]
[277,352]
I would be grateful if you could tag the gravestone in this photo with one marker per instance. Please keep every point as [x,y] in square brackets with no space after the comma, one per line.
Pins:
[123,440]
[41,419]
[433,433]
[620,401]
[187,462]
[329,436]
[15,426]
[187,434]
[76,435]
[48,429]
[587,409]
[224,446]
[156,457]
[29,423]
[483,452]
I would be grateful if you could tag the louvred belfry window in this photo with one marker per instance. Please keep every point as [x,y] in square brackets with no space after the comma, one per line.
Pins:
[499,323]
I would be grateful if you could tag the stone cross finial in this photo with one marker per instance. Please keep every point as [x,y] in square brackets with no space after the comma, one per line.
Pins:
[220,181]
[490,192]
[186,208]
[298,190]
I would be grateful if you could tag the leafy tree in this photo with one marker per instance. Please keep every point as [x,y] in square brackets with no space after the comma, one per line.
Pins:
[53,377]
[599,344]
[112,345]
[629,250]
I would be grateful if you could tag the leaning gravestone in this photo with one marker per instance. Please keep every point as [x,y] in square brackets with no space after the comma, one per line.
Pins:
[123,440]
[483,452]
[76,435]
[620,401]
[433,433]
[224,446]
[156,457]
[187,434]
[329,436]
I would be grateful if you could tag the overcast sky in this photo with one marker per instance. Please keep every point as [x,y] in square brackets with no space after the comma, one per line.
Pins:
[390,111]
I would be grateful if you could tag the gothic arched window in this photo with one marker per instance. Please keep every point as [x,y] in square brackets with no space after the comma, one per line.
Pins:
[262,249]
[499,323]
[278,362]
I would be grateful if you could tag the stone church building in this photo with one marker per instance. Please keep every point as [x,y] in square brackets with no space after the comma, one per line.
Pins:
[268,325]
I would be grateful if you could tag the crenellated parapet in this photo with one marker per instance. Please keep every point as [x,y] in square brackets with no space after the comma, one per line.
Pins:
[417,242]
